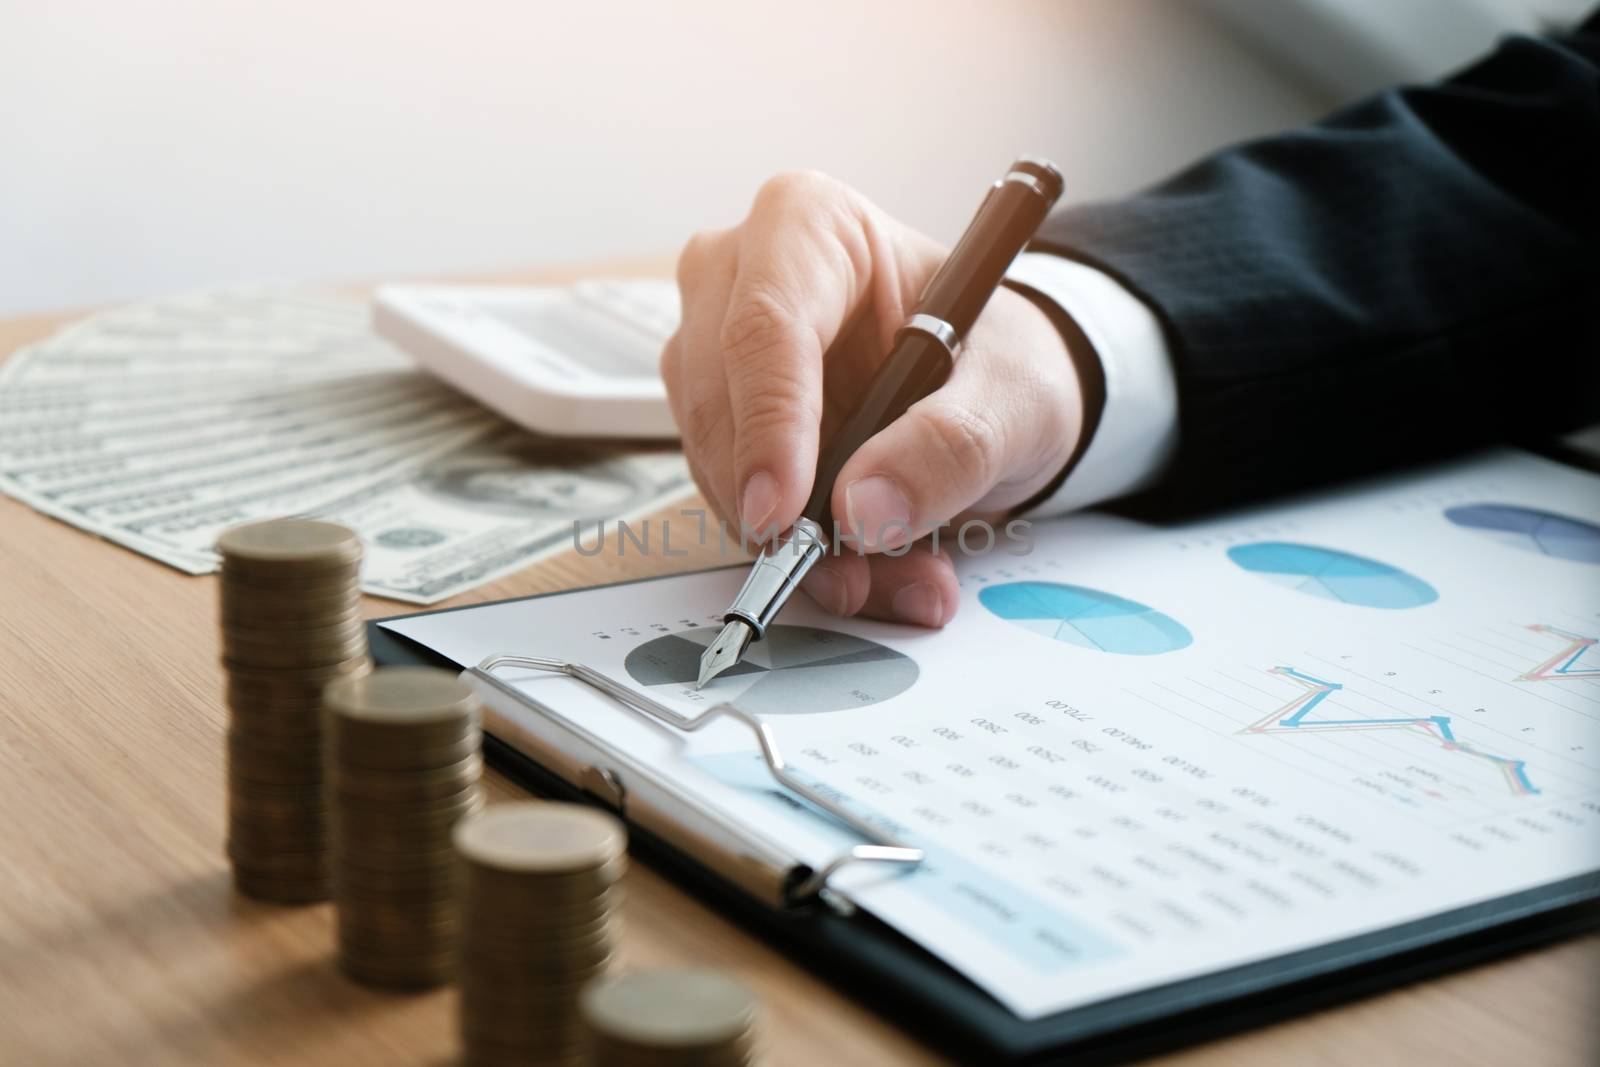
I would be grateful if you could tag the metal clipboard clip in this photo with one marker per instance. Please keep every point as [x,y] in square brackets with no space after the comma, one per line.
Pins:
[672,813]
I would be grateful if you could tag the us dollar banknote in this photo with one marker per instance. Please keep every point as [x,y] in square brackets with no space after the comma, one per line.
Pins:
[496,506]
[159,425]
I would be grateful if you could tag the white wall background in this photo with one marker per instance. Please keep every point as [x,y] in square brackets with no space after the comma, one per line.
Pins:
[156,145]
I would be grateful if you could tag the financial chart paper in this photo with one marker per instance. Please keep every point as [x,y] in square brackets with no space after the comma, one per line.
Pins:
[1143,754]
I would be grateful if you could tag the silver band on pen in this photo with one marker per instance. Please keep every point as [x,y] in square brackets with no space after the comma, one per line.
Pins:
[936,328]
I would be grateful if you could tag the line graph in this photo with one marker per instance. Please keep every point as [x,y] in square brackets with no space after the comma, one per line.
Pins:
[1576,659]
[1299,715]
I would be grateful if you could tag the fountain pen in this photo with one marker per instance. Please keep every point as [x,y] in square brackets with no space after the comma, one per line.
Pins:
[919,361]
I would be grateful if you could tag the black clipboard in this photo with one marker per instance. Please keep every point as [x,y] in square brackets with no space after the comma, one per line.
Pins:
[878,966]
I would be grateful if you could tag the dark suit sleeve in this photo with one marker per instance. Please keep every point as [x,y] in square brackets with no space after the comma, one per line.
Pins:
[1415,275]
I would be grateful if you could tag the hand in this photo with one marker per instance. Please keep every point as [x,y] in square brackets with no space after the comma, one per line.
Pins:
[763,302]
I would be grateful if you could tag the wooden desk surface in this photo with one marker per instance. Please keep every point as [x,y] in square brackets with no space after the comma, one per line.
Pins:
[122,942]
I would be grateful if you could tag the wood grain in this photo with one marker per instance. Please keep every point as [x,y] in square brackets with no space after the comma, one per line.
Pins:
[121,942]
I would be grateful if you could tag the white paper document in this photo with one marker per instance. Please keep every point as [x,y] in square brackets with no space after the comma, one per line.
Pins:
[1141,754]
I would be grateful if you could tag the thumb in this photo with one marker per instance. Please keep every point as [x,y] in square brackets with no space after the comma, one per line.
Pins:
[994,434]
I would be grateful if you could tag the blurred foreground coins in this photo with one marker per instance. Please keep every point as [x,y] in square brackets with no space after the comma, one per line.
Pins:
[538,923]
[291,623]
[670,1018]
[403,746]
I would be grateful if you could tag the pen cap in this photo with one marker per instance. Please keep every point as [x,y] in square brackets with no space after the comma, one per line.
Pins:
[1046,172]
[1005,222]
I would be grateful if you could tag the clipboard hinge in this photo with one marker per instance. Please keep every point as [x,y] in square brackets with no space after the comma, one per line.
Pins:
[810,888]
[603,784]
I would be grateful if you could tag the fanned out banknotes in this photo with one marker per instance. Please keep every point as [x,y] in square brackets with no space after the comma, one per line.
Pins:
[159,425]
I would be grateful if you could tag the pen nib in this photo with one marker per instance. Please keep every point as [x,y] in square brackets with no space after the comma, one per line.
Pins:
[725,651]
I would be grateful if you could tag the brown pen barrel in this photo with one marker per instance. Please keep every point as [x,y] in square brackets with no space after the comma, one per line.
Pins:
[922,355]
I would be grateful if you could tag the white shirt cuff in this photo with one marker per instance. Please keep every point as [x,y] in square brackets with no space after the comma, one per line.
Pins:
[1138,428]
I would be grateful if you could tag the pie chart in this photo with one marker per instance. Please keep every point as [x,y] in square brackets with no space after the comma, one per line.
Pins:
[1531,530]
[1085,617]
[1334,575]
[794,670]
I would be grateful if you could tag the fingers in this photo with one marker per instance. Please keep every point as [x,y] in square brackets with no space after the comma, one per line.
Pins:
[989,438]
[917,587]
[804,266]
[692,372]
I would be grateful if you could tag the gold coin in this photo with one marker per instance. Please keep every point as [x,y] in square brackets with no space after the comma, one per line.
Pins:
[503,979]
[295,678]
[262,837]
[307,605]
[396,809]
[373,735]
[290,659]
[270,794]
[274,716]
[548,1023]
[605,1053]
[245,777]
[276,810]
[423,928]
[303,769]
[402,696]
[670,1008]
[290,858]
[290,613]
[540,838]
[286,852]
[246,751]
[502,889]
[381,759]
[318,632]
[544,970]
[283,698]
[408,892]
[582,936]
[562,1048]
[384,779]
[532,922]
[376,848]
[376,827]
[420,972]
[291,650]
[353,853]
[242,580]
[271,732]
[290,541]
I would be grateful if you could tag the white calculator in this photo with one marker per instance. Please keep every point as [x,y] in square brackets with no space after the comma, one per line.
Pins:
[574,361]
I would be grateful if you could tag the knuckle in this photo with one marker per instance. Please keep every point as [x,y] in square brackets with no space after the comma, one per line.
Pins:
[788,189]
[705,414]
[769,411]
[757,325]
[699,252]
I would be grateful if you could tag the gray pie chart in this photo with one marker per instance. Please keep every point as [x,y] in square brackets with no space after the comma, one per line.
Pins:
[794,670]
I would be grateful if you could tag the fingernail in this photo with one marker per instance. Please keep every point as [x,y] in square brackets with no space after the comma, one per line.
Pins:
[759,501]
[825,586]
[920,603]
[878,511]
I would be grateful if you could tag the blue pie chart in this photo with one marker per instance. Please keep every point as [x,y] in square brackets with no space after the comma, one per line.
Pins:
[1531,530]
[1085,617]
[1334,575]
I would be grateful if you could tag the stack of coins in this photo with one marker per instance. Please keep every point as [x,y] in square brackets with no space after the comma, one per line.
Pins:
[670,1018]
[539,899]
[403,747]
[291,622]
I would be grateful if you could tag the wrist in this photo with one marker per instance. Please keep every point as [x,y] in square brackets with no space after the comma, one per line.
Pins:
[1091,381]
